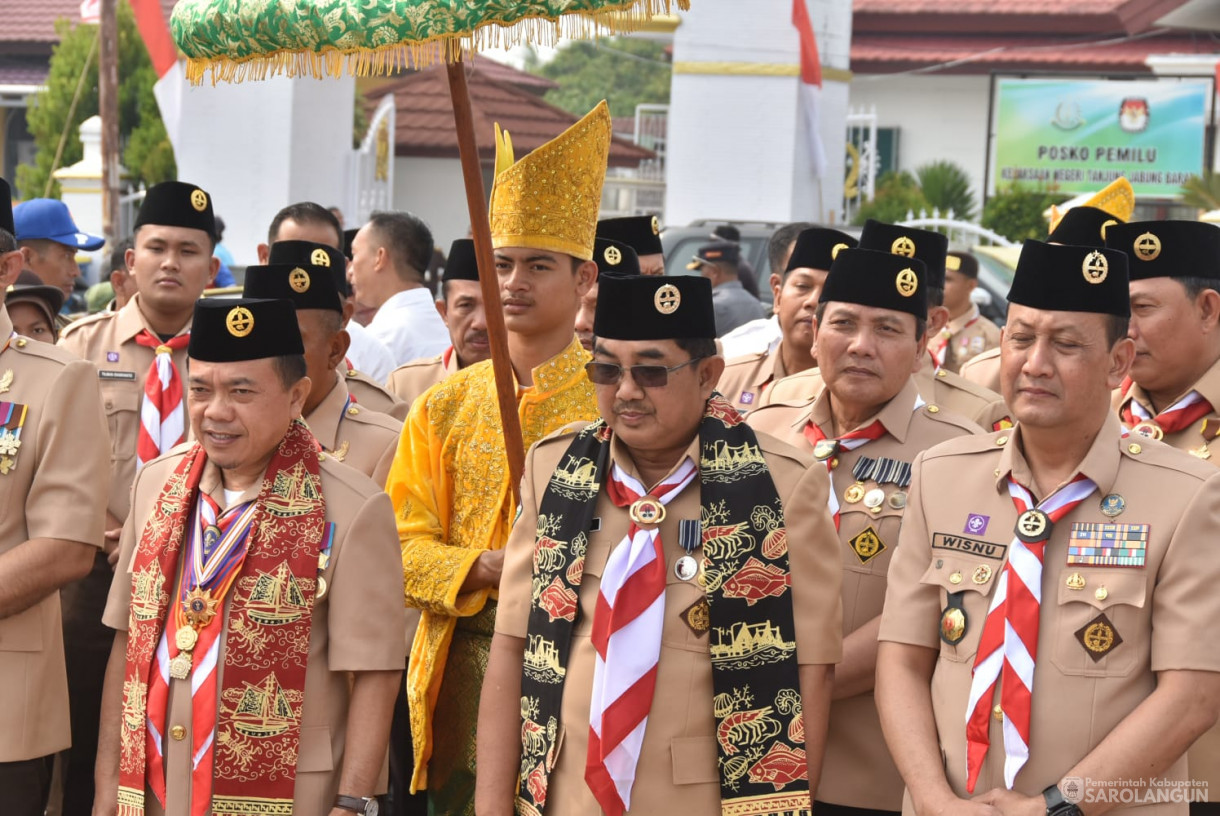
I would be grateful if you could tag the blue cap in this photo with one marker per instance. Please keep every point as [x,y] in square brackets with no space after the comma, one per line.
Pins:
[49,219]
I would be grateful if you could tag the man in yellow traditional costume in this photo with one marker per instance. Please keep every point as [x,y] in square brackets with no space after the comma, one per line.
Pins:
[450,480]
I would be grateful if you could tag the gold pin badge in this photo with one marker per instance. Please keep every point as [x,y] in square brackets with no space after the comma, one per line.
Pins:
[1147,247]
[955,578]
[319,257]
[1105,226]
[239,322]
[298,279]
[199,200]
[906,282]
[646,510]
[1149,430]
[656,226]
[903,246]
[185,638]
[952,625]
[1095,267]
[998,712]
[613,256]
[667,299]
[854,494]
[836,249]
[178,732]
[1101,593]
[1075,581]
[982,574]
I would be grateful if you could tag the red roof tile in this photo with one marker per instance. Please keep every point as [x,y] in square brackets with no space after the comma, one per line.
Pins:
[424,117]
[887,53]
[1010,16]
[33,21]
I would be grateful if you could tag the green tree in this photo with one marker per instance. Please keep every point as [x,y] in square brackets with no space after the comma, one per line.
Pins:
[625,72]
[147,155]
[1016,211]
[897,193]
[1202,192]
[946,186]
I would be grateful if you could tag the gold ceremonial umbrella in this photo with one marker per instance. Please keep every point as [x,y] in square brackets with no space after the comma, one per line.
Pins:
[253,39]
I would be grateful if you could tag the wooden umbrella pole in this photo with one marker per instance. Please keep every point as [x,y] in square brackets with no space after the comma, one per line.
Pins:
[497,334]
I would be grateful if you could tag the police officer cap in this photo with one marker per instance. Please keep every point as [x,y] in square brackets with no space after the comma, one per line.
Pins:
[232,330]
[1066,278]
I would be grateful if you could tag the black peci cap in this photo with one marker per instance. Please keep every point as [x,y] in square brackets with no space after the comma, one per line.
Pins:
[641,232]
[640,307]
[1168,249]
[308,253]
[817,247]
[615,258]
[177,204]
[879,279]
[1067,278]
[229,331]
[306,286]
[1083,226]
[910,242]
[461,263]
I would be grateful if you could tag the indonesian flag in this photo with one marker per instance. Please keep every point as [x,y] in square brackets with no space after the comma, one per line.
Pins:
[171,79]
[91,11]
[811,86]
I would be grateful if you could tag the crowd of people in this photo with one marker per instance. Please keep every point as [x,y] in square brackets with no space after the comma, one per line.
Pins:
[263,553]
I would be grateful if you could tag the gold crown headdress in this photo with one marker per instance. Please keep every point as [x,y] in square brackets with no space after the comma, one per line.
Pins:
[550,199]
[1116,198]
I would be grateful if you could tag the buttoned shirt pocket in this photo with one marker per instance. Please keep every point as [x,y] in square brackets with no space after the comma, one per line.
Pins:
[695,760]
[1100,627]
[973,581]
[121,401]
[865,553]
[22,632]
[682,603]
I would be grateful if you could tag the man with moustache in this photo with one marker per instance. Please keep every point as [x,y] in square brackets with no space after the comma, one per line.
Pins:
[450,483]
[746,379]
[1040,644]
[613,258]
[866,427]
[461,307]
[140,355]
[639,665]
[369,359]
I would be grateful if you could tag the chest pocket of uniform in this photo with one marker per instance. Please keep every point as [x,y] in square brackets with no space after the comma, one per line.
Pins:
[1100,626]
[121,401]
[973,579]
[864,552]
[23,632]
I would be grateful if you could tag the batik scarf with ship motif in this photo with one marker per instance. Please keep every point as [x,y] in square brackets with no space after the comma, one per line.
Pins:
[760,733]
[269,618]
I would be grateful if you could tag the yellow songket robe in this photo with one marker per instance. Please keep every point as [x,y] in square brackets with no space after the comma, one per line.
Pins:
[450,488]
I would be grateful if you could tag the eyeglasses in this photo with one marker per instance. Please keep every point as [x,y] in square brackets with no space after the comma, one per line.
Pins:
[645,376]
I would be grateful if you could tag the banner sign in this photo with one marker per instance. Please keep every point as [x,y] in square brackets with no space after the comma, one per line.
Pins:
[1078,135]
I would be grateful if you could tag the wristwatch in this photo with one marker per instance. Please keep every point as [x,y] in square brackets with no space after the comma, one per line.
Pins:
[1056,805]
[358,804]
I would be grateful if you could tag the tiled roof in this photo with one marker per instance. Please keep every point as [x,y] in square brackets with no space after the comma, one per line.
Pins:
[1010,16]
[424,117]
[887,53]
[33,21]
[23,70]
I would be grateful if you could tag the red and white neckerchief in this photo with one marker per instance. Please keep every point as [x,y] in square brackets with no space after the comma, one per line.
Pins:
[162,414]
[941,353]
[213,559]
[1179,416]
[627,626]
[1008,644]
[848,442]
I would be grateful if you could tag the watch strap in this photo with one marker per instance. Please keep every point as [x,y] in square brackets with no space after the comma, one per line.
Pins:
[353,803]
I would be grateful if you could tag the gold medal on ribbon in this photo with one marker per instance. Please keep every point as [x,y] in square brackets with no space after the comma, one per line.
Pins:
[180,666]
[853,494]
[185,638]
[200,607]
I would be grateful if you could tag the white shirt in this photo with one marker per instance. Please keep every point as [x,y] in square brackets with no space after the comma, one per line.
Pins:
[755,337]
[368,355]
[409,326]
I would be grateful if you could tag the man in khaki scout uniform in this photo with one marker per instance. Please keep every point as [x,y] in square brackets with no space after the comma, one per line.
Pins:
[257,601]
[937,385]
[352,434]
[140,355]
[707,585]
[1045,646]
[746,379]
[613,258]
[461,306]
[967,333]
[54,480]
[1082,225]
[866,426]
[1173,388]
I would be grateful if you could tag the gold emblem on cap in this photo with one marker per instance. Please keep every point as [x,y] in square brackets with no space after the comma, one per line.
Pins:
[239,321]
[903,246]
[319,257]
[1095,267]
[667,299]
[906,282]
[656,226]
[1105,226]
[613,256]
[199,200]
[1147,247]
[298,279]
[836,249]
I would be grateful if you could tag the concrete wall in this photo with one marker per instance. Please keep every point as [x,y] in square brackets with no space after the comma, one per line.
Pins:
[736,148]
[433,189]
[938,117]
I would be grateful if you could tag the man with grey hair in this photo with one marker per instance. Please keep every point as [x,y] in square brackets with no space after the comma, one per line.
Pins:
[389,256]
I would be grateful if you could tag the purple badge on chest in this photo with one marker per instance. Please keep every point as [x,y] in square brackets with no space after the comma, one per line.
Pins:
[976,524]
[112,356]
[747,398]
